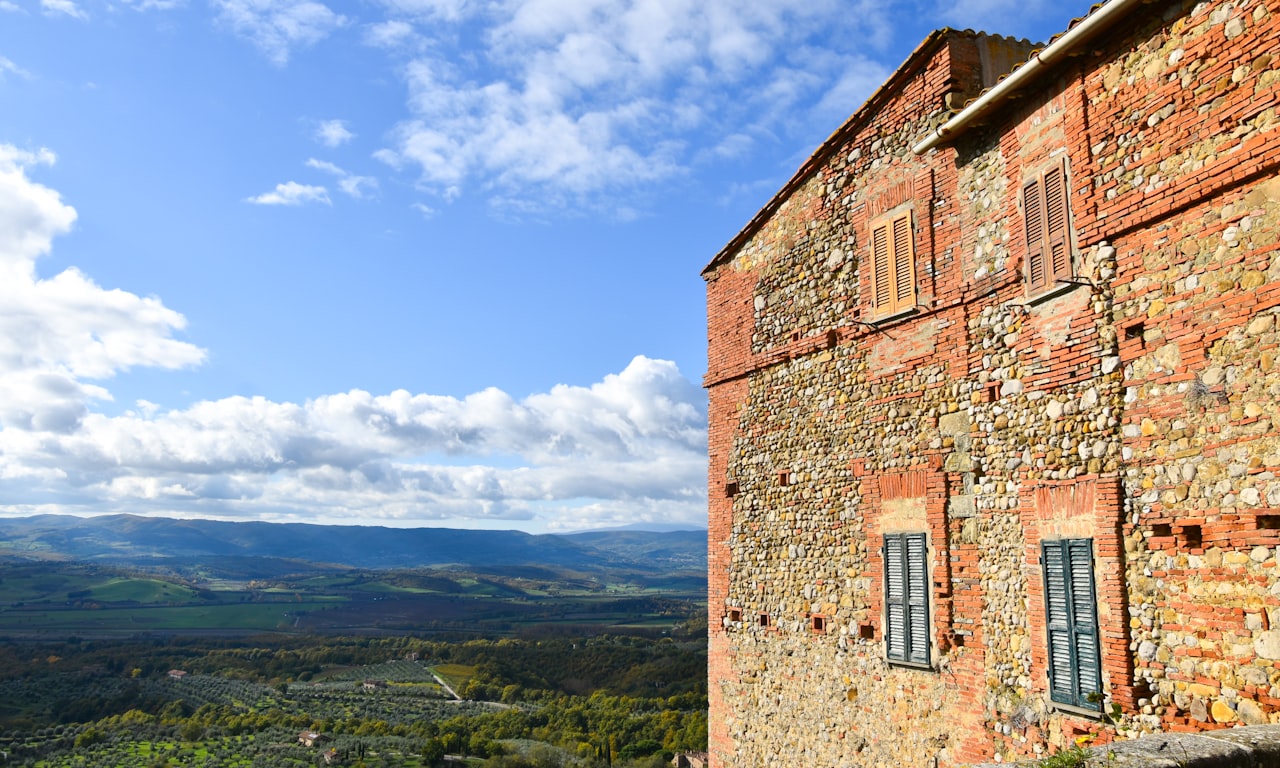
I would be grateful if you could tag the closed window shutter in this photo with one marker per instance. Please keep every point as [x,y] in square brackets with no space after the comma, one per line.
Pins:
[893,272]
[881,268]
[1058,251]
[1071,616]
[1033,213]
[895,598]
[1084,620]
[917,600]
[904,280]
[906,598]
[1047,217]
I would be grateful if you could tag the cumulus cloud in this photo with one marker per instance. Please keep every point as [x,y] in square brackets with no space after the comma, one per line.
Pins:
[60,336]
[333,133]
[568,102]
[277,27]
[630,447]
[633,443]
[64,8]
[292,193]
[10,7]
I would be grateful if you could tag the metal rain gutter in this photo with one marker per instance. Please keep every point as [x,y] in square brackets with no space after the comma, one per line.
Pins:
[1039,60]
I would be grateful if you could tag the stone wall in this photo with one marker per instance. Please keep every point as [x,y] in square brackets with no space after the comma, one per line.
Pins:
[1131,406]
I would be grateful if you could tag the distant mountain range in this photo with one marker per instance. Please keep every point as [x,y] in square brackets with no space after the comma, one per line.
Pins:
[139,540]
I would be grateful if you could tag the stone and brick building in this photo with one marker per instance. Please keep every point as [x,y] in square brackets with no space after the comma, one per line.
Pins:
[995,405]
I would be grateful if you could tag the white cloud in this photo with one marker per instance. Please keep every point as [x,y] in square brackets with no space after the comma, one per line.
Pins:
[8,67]
[391,34]
[575,102]
[278,27]
[634,442]
[441,10]
[60,335]
[355,186]
[333,133]
[64,7]
[10,7]
[292,193]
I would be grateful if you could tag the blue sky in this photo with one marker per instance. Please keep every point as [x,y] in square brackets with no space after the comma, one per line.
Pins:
[396,262]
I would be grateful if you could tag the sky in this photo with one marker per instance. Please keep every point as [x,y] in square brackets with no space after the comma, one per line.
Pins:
[397,262]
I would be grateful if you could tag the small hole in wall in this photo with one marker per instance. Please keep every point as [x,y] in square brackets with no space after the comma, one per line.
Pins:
[957,641]
[795,336]
[731,489]
[991,392]
[1268,522]
[1191,536]
[764,620]
[819,623]
[1135,331]
[1161,529]
[785,477]
[866,632]
[833,339]
[735,615]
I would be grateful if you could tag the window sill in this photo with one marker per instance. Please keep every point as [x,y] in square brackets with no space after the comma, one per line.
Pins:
[1053,292]
[1072,709]
[911,665]
[893,317]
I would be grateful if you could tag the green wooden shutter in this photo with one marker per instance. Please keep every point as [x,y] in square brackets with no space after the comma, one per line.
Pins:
[1084,621]
[1072,622]
[895,599]
[906,573]
[917,600]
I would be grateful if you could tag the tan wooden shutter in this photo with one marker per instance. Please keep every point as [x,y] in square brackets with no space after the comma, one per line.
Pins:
[1047,216]
[881,296]
[1033,216]
[1058,251]
[904,296]
[893,273]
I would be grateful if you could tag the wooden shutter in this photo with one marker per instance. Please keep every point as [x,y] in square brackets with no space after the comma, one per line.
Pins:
[1072,621]
[906,570]
[1058,245]
[917,600]
[1047,226]
[881,269]
[1084,621]
[893,271]
[895,599]
[1033,215]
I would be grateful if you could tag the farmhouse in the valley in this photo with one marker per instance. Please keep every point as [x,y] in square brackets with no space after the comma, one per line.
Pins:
[995,405]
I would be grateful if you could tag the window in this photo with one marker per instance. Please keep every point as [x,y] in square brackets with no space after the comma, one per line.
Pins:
[906,590]
[1072,618]
[893,266]
[1047,219]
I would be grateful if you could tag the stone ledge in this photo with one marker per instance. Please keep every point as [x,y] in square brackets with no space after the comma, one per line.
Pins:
[1256,746]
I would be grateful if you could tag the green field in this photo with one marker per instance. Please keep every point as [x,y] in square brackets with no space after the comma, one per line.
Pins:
[129,620]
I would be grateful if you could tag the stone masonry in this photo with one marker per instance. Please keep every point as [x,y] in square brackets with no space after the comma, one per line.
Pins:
[1132,404]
